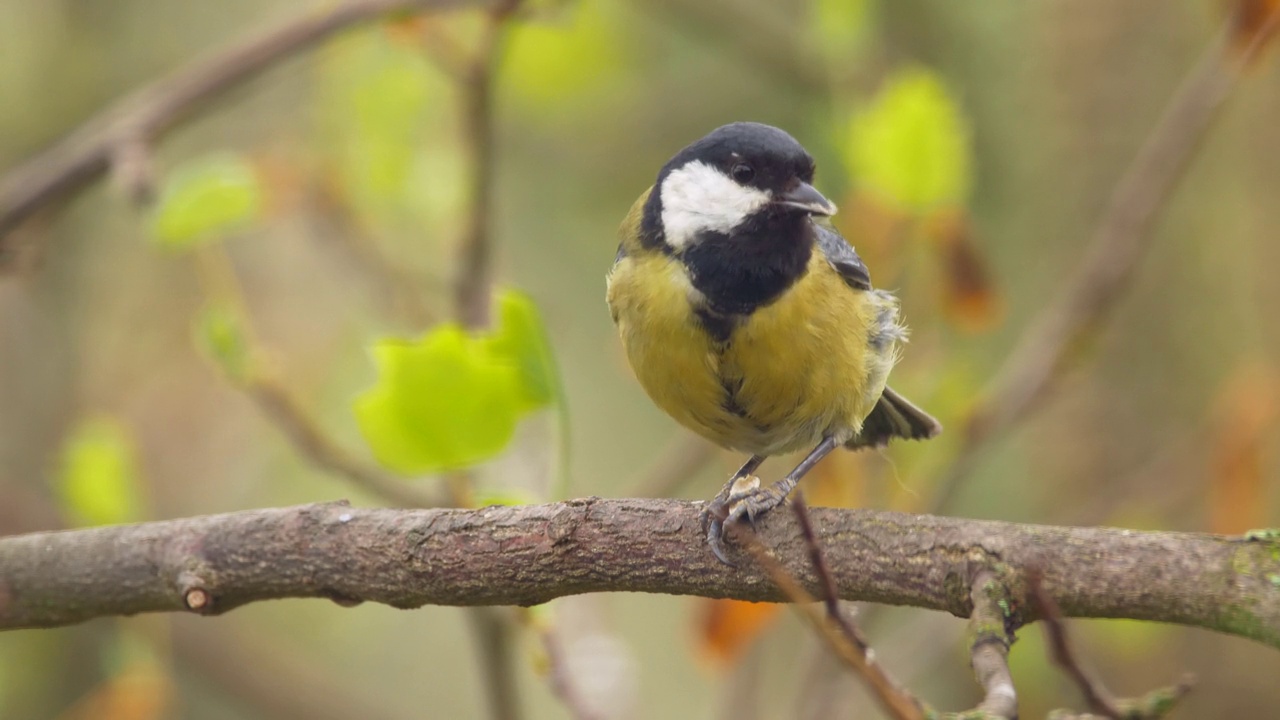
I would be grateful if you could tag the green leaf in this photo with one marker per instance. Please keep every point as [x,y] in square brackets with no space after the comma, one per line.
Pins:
[220,334]
[443,403]
[521,338]
[566,54]
[205,199]
[508,497]
[840,28]
[384,113]
[911,147]
[98,478]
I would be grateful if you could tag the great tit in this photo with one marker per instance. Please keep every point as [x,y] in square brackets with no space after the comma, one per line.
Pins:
[750,320]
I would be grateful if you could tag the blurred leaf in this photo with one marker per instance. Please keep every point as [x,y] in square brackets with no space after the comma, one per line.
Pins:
[839,480]
[1245,421]
[380,101]
[840,28]
[1252,17]
[728,627]
[521,337]
[564,52]
[220,334]
[98,477]
[203,200]
[875,231]
[970,299]
[910,148]
[507,497]
[140,691]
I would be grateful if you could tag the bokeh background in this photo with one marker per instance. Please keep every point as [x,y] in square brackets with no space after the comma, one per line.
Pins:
[972,147]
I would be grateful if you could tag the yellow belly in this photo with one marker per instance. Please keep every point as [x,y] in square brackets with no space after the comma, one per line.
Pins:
[794,371]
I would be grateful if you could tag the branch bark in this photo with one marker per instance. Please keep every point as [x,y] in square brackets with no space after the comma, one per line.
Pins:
[532,554]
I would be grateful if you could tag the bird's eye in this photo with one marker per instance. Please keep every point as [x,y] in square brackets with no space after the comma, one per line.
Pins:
[743,173]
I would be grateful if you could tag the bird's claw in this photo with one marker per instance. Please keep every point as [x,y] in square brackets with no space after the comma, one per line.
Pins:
[745,500]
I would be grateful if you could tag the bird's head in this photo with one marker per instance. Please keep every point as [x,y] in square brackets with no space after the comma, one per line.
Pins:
[739,175]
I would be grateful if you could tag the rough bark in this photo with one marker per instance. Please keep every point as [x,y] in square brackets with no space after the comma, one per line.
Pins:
[531,554]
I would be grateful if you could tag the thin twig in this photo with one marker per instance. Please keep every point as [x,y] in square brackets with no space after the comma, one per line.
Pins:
[475,276]
[1120,241]
[558,677]
[829,596]
[310,441]
[472,289]
[843,639]
[145,115]
[989,641]
[1099,699]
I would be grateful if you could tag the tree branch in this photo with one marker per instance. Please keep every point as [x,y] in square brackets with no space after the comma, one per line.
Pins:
[531,554]
[142,117]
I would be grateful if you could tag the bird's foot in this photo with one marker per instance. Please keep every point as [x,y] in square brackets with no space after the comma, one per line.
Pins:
[743,500]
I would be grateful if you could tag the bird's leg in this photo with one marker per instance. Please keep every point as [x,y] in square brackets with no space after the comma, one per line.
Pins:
[753,502]
[714,513]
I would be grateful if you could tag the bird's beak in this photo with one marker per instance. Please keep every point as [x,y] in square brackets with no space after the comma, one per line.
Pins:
[805,198]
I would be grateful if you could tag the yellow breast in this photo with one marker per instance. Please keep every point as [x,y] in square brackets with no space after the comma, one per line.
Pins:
[792,371]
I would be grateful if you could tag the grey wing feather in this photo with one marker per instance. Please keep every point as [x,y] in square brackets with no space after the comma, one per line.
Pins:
[895,417]
[843,257]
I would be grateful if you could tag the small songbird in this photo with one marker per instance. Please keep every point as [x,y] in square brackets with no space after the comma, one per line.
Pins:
[750,320]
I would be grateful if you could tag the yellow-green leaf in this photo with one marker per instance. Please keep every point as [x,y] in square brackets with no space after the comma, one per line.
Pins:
[98,476]
[444,402]
[509,497]
[220,334]
[204,199]
[521,338]
[840,28]
[910,148]
[386,121]
[567,55]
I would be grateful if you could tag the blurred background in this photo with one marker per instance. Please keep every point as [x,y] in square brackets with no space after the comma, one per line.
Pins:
[318,209]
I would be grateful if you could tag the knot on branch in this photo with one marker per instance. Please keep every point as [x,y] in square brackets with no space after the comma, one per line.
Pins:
[195,593]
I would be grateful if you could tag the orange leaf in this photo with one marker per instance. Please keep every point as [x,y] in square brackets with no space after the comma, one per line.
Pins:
[141,691]
[1246,414]
[1253,20]
[838,481]
[970,299]
[726,628]
[875,230]
[407,29]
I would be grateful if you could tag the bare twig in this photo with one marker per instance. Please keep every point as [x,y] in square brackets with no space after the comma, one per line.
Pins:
[145,115]
[472,289]
[475,276]
[989,640]
[311,442]
[559,678]
[823,571]
[840,635]
[1119,243]
[1153,706]
[856,651]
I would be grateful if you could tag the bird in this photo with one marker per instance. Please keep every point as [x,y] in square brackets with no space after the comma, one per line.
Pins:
[751,321]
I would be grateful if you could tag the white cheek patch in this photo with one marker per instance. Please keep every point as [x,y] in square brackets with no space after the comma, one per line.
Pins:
[698,198]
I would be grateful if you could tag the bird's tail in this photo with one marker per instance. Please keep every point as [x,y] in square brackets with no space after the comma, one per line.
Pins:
[894,417]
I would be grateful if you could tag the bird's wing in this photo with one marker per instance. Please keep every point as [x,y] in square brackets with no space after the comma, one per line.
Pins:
[843,257]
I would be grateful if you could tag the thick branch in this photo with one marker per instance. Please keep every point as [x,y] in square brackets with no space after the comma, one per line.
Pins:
[527,555]
[143,116]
